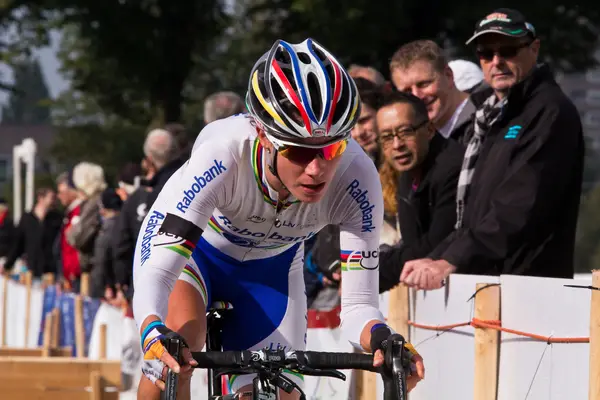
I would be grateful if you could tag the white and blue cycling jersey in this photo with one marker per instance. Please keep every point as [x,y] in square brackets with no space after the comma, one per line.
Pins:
[216,225]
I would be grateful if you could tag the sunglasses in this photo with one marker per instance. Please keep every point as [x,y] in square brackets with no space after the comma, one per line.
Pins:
[502,52]
[304,155]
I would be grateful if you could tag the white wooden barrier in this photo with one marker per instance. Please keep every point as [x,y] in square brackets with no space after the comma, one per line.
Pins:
[527,368]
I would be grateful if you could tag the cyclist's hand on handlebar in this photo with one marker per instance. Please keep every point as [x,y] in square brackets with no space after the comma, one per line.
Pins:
[380,335]
[157,359]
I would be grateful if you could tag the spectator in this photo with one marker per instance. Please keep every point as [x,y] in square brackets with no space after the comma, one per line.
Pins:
[520,185]
[428,167]
[128,180]
[102,277]
[69,267]
[89,181]
[35,236]
[368,73]
[222,105]
[467,75]
[365,131]
[421,68]
[183,140]
[7,230]
[162,159]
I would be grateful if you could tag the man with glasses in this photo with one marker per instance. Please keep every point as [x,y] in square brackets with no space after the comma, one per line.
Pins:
[429,166]
[520,185]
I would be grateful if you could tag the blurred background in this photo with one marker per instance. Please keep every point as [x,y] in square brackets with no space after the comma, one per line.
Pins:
[87,79]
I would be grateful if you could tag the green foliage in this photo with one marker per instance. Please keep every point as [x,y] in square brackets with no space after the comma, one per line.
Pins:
[107,145]
[29,102]
[360,31]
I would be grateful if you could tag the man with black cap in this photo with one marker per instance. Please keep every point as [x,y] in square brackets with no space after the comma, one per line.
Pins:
[520,184]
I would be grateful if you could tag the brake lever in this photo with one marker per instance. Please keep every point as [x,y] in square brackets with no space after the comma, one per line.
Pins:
[395,357]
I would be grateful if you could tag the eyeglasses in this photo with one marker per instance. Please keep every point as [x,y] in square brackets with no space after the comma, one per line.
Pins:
[508,52]
[304,155]
[402,133]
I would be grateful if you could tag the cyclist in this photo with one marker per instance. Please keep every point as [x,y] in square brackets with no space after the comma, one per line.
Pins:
[229,225]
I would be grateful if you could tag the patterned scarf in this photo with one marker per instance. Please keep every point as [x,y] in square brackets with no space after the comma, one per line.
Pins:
[488,114]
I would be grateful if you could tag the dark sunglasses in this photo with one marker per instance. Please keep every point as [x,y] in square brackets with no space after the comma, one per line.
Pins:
[507,52]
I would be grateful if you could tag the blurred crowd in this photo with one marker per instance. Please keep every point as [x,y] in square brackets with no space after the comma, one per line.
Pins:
[97,229]
[480,166]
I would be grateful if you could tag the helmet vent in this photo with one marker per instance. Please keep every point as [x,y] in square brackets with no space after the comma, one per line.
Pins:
[305,58]
[315,96]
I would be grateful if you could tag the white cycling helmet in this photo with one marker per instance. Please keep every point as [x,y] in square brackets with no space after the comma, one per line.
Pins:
[299,91]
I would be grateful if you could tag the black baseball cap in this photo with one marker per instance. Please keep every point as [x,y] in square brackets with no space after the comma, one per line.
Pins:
[503,21]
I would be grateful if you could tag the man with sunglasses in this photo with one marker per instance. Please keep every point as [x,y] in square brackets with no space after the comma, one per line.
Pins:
[230,224]
[520,184]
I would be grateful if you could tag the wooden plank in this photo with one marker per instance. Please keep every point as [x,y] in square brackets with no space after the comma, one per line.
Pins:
[55,332]
[5,307]
[103,342]
[28,282]
[47,338]
[594,385]
[79,329]
[84,287]
[48,372]
[398,311]
[96,385]
[36,352]
[487,343]
[33,394]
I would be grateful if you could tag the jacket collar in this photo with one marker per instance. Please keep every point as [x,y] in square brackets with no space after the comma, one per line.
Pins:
[519,92]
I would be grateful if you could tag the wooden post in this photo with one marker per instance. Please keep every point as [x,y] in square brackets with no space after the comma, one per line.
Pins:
[594,392]
[103,342]
[47,339]
[79,330]
[487,343]
[84,288]
[398,313]
[366,385]
[28,279]
[55,338]
[4,308]
[96,385]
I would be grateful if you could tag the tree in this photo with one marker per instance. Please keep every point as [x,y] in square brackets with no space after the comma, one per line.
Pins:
[361,31]
[29,102]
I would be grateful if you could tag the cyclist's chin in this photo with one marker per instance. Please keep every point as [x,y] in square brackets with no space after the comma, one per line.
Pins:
[309,193]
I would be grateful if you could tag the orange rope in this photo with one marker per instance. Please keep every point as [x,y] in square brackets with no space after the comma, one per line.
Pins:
[497,325]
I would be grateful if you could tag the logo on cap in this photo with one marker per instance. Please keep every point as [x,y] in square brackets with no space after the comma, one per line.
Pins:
[318,132]
[495,17]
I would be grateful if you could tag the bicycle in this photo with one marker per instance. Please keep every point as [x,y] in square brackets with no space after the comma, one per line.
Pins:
[270,364]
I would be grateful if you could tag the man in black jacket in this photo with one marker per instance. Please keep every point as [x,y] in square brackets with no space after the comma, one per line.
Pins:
[162,159]
[520,185]
[429,167]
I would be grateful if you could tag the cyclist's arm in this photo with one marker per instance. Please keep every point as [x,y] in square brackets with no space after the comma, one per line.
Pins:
[360,225]
[175,222]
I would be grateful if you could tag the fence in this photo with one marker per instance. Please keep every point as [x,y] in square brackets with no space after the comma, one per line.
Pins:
[482,338]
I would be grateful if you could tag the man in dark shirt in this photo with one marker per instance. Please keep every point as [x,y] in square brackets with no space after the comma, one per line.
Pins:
[429,166]
[520,185]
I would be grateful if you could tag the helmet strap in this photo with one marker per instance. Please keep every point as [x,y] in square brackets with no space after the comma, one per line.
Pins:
[273,167]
